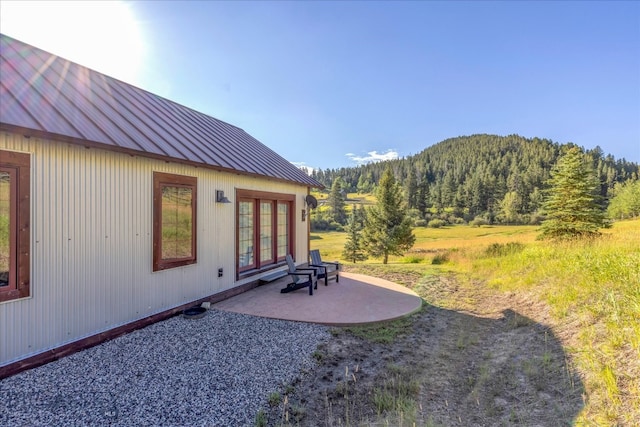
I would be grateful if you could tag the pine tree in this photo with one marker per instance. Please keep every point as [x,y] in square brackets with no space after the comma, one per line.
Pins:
[412,190]
[336,202]
[423,196]
[353,248]
[572,206]
[387,228]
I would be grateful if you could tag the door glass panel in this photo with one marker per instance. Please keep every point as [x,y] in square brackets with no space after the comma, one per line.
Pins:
[283,230]
[266,232]
[245,234]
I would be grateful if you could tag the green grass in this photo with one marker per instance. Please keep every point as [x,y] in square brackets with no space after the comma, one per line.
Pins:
[595,284]
[430,241]
[591,287]
[397,396]
[383,333]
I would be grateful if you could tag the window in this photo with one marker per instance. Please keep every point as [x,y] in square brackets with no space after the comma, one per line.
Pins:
[264,229]
[174,220]
[14,225]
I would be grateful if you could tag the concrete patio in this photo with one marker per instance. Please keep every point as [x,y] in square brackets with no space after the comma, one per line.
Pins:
[356,299]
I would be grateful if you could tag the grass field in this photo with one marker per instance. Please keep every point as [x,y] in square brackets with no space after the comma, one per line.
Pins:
[591,289]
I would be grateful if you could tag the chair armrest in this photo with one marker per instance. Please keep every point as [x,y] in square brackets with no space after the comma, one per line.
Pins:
[301,273]
[337,264]
[313,271]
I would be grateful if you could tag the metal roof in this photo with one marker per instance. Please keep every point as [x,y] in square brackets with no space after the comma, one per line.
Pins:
[44,95]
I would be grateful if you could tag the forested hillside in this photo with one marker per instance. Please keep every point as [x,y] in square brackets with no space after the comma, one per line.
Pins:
[495,177]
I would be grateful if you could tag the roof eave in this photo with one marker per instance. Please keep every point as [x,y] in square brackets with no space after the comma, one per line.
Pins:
[28,133]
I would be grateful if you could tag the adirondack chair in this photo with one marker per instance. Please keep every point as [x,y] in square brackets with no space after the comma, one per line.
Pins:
[301,278]
[326,270]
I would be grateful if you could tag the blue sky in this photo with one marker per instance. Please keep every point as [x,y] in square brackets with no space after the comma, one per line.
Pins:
[331,84]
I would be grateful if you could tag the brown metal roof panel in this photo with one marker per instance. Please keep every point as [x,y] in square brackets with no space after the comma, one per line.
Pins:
[48,118]
[124,113]
[40,93]
[109,115]
[53,95]
[13,113]
[154,113]
[246,153]
[97,101]
[195,126]
[207,133]
[71,90]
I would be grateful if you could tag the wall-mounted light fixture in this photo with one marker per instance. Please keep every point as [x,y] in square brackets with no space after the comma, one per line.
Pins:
[221,198]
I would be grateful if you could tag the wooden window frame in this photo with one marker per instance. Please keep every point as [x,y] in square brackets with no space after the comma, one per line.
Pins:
[257,198]
[19,167]
[160,181]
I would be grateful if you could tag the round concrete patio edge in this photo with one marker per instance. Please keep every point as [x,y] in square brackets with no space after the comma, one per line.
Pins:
[356,299]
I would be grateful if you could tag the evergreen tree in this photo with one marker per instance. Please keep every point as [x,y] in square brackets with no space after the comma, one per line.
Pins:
[335,201]
[364,184]
[412,190]
[535,199]
[387,228]
[423,197]
[572,206]
[353,247]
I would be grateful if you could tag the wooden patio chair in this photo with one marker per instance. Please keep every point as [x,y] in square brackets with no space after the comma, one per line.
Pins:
[301,278]
[326,270]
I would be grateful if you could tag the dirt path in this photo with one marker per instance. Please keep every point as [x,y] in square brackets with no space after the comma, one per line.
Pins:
[471,357]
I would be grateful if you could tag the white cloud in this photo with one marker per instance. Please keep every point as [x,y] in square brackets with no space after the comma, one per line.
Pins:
[373,156]
[301,165]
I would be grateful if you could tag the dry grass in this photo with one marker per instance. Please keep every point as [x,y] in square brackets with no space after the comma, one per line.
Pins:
[591,290]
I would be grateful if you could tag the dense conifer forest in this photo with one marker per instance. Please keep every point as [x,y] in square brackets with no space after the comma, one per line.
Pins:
[482,177]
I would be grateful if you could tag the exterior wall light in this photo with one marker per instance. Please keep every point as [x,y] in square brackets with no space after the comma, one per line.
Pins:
[221,198]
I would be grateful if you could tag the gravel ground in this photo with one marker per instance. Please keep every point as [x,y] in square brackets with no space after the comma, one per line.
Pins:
[214,371]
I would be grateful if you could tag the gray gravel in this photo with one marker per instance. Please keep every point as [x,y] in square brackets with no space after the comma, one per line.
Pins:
[214,371]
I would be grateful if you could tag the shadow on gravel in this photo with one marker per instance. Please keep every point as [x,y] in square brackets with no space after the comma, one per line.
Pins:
[449,369]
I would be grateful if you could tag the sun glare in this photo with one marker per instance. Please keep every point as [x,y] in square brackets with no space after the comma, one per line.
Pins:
[102,35]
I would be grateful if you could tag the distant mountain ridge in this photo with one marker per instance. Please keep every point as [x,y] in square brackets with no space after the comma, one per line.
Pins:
[473,174]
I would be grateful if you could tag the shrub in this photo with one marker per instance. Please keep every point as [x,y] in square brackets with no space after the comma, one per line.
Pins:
[412,259]
[478,221]
[420,223]
[274,398]
[335,226]
[451,219]
[319,224]
[536,219]
[436,223]
[499,249]
[440,258]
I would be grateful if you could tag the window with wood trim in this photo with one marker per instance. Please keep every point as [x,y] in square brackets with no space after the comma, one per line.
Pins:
[265,232]
[14,225]
[174,220]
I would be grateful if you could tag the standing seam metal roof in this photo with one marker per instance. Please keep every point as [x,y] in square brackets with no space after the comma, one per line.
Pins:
[45,95]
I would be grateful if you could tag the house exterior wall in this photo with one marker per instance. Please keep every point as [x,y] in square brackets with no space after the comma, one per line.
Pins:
[92,244]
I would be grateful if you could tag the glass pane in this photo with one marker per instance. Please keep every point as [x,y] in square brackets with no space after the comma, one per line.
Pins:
[245,234]
[266,232]
[5,234]
[283,229]
[177,222]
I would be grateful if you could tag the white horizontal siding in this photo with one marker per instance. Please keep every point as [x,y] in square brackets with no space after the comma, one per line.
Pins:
[91,244]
